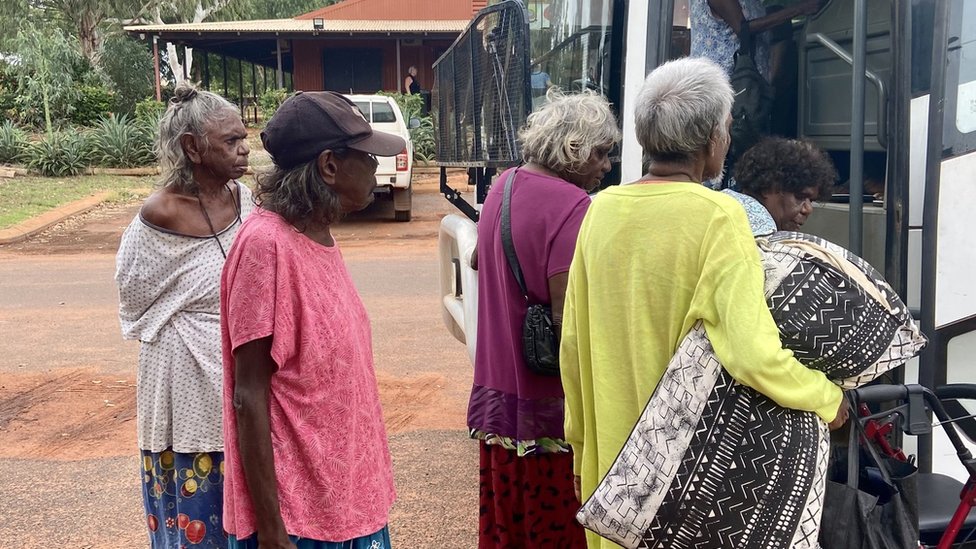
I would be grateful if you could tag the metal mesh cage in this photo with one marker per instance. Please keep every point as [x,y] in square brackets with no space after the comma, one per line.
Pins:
[481,89]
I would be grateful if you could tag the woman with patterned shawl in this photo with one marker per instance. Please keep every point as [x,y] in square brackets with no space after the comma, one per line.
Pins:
[654,259]
[716,459]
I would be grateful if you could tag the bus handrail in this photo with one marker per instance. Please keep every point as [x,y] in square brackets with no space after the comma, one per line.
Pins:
[840,52]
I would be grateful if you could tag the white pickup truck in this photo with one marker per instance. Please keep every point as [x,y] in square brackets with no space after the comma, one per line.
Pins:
[394,173]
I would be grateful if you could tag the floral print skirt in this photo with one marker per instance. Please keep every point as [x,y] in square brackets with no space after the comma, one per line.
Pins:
[183,496]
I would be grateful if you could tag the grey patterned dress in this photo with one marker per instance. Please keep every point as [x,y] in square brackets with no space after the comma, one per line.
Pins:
[169,300]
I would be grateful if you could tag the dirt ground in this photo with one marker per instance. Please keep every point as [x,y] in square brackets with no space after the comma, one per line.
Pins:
[68,469]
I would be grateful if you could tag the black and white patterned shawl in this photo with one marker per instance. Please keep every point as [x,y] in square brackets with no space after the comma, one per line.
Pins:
[714,464]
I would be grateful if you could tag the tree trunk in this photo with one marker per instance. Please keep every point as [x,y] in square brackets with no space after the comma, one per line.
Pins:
[188,61]
[177,66]
[45,97]
[47,112]
[199,14]
[89,37]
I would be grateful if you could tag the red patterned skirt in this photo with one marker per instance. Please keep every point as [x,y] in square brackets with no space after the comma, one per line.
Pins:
[527,501]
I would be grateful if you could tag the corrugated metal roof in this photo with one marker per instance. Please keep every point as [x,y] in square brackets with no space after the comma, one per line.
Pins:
[305,26]
[406,10]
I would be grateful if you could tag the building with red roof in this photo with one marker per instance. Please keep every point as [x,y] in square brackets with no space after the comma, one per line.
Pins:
[355,46]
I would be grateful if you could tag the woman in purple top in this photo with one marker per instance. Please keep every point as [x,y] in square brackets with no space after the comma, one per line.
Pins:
[526,493]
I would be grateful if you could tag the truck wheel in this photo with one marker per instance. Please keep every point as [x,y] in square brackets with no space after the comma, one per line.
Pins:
[402,202]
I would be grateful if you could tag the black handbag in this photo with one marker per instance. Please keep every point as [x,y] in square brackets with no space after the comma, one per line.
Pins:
[871,507]
[540,341]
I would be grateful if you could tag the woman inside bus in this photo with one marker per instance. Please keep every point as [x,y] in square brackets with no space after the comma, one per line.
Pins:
[657,256]
[716,26]
[526,479]
[779,180]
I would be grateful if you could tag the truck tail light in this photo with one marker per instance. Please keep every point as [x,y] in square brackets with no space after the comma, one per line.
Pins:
[401,161]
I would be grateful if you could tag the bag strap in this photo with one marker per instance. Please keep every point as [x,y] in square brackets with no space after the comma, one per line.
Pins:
[746,42]
[858,432]
[507,243]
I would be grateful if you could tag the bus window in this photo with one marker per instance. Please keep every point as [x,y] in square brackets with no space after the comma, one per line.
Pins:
[960,123]
[681,30]
[570,45]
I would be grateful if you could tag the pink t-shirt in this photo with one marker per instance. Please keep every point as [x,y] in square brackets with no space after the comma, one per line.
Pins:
[335,479]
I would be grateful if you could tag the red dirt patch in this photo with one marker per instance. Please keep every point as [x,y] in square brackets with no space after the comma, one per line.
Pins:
[71,415]
[412,404]
[75,414]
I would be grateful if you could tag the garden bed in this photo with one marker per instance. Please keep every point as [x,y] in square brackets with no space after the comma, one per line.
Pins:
[22,198]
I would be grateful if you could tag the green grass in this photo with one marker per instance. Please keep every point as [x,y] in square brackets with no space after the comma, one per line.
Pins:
[258,158]
[24,197]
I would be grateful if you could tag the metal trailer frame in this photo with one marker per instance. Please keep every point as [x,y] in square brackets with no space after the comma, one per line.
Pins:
[483,163]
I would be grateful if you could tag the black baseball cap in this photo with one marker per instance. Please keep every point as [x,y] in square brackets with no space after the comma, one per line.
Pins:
[308,123]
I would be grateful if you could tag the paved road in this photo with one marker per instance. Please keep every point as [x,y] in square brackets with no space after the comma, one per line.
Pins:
[68,474]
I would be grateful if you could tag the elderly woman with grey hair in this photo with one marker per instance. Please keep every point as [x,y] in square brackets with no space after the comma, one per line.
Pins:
[526,479]
[307,459]
[168,274]
[656,257]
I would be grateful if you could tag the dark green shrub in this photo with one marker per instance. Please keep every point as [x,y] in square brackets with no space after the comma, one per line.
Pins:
[150,132]
[411,105]
[13,143]
[59,154]
[8,93]
[270,101]
[91,105]
[128,64]
[150,110]
[118,142]
[424,144]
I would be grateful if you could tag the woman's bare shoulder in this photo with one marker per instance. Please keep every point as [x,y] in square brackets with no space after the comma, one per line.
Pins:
[162,209]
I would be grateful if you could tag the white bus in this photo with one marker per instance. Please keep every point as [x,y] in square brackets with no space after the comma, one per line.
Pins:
[911,118]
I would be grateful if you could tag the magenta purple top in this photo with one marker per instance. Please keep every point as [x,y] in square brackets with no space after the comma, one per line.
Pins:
[507,399]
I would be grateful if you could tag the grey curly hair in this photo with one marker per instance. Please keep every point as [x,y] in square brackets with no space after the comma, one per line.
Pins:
[679,108]
[299,195]
[562,134]
[189,111]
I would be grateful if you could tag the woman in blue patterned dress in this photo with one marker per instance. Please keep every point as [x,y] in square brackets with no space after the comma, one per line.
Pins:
[716,26]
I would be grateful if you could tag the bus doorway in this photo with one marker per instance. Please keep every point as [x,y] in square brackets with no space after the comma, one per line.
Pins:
[807,58]
[904,130]
[903,139]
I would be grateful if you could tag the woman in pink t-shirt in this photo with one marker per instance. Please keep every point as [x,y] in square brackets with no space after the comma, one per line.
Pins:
[307,462]
[527,498]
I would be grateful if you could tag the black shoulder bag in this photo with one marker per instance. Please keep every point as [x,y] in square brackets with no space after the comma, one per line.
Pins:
[540,342]
[752,109]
